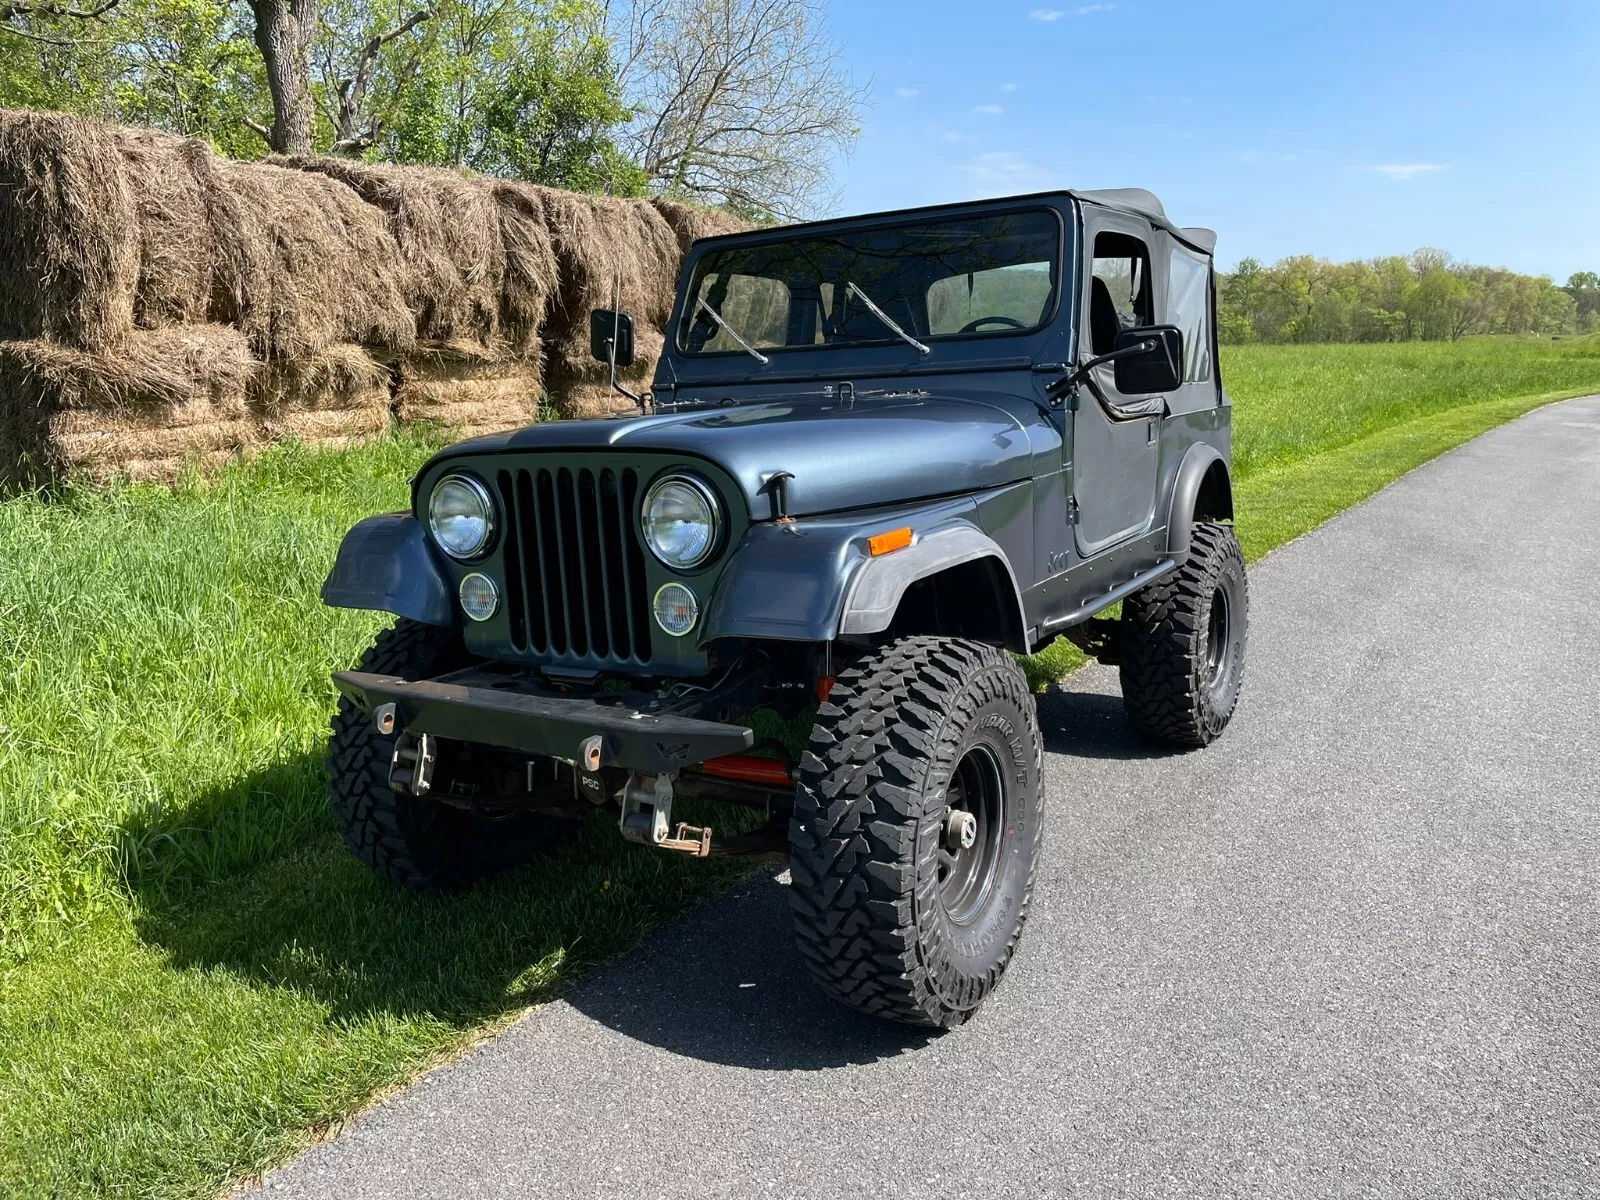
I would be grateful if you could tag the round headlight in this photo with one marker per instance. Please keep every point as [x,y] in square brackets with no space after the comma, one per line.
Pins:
[676,609]
[681,521]
[461,516]
[479,596]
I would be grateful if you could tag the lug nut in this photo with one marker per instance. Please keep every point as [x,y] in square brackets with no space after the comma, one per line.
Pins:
[960,830]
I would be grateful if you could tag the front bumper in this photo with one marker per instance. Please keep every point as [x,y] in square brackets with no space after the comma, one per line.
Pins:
[509,712]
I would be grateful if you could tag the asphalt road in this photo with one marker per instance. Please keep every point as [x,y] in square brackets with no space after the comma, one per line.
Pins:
[1353,948]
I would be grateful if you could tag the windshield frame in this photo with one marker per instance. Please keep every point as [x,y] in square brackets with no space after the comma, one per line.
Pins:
[684,309]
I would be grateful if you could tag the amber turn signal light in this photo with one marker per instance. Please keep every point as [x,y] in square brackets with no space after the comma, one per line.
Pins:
[895,539]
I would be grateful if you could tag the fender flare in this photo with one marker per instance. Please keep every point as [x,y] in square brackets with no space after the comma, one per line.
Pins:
[387,564]
[1192,472]
[879,585]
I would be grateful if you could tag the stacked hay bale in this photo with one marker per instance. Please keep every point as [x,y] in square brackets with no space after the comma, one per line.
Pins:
[158,303]
[167,396]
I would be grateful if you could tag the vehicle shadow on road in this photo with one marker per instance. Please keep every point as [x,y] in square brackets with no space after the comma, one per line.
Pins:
[253,880]
[726,985]
[1091,725]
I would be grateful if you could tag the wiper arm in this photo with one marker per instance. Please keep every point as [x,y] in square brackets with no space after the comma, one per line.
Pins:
[852,290]
[702,306]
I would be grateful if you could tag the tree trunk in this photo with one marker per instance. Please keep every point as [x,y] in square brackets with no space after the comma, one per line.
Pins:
[286,30]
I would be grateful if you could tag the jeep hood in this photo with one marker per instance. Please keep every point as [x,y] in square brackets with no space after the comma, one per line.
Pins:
[878,450]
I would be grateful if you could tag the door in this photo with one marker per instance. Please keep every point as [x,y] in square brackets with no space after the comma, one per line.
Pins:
[1115,438]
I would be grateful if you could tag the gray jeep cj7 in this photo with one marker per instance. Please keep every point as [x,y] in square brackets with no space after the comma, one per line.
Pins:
[880,456]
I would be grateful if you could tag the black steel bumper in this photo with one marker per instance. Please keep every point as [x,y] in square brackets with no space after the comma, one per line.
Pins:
[476,706]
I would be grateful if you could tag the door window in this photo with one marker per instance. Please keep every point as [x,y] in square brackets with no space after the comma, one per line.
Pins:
[1119,289]
[1189,308]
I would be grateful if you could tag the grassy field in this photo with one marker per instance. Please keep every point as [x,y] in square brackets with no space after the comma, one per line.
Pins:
[195,978]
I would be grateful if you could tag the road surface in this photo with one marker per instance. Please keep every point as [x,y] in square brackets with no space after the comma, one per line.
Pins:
[1351,949]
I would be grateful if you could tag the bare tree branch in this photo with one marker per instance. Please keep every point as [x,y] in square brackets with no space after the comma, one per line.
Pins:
[350,135]
[47,8]
[738,102]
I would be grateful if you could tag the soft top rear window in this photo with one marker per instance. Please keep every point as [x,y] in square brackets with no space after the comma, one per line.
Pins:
[968,277]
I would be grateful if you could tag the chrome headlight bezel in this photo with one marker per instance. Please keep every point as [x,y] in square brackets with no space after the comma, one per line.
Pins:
[480,492]
[717,521]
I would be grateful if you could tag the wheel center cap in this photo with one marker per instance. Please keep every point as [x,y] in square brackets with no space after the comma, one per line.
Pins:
[960,830]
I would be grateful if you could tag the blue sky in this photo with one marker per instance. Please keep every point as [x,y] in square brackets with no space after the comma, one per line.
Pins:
[1340,129]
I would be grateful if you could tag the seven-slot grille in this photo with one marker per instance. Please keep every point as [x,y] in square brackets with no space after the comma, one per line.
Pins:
[575,584]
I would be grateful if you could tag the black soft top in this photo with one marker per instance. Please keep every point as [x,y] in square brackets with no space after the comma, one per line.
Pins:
[1130,200]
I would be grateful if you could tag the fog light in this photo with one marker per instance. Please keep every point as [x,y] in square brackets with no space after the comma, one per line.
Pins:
[479,597]
[676,609]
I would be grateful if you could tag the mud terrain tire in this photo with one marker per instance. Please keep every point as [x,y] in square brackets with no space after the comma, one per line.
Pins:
[415,841]
[892,914]
[1182,643]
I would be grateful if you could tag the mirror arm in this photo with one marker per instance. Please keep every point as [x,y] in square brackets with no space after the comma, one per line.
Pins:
[611,356]
[1067,382]
[611,342]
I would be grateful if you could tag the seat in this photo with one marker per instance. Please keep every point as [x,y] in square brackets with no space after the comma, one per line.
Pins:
[1104,323]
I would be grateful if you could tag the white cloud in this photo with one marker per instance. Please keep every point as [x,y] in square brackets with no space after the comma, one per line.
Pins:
[1055,14]
[1010,87]
[1004,171]
[1403,171]
[907,93]
[990,110]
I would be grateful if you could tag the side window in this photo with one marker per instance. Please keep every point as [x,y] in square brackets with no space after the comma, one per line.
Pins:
[1189,308]
[1119,289]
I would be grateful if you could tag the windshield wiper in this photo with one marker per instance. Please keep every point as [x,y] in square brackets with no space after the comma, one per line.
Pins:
[852,290]
[701,305]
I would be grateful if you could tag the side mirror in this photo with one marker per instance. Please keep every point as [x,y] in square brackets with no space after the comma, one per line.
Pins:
[606,325]
[1158,369]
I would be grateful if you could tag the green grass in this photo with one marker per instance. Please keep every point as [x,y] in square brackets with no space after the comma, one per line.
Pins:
[195,978]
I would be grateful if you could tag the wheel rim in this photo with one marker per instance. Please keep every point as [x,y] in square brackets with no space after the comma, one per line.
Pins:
[1219,634]
[967,873]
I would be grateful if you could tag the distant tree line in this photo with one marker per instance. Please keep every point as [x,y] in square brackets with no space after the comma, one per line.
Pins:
[1426,297]
[738,103]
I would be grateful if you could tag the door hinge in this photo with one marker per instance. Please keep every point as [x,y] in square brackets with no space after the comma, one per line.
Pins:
[1072,510]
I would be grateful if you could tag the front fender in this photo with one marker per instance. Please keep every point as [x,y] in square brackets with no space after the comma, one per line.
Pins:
[387,564]
[812,580]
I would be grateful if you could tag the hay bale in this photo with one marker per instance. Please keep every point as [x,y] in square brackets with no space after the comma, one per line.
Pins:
[469,397]
[529,282]
[177,249]
[304,263]
[165,394]
[600,241]
[691,222]
[448,230]
[68,270]
[329,399]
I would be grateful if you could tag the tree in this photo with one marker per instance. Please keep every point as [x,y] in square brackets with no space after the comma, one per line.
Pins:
[549,120]
[361,53]
[741,103]
[285,33]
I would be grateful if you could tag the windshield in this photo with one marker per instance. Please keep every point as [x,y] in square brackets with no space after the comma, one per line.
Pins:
[972,277]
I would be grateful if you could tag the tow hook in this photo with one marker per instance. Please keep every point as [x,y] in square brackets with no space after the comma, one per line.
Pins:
[647,815]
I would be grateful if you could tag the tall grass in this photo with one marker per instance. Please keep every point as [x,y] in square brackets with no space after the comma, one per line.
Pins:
[193,973]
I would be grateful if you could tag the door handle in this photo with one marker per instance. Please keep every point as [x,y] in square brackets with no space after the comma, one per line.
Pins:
[1150,434]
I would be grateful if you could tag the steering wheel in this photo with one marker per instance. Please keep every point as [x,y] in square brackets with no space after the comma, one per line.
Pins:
[972,326]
